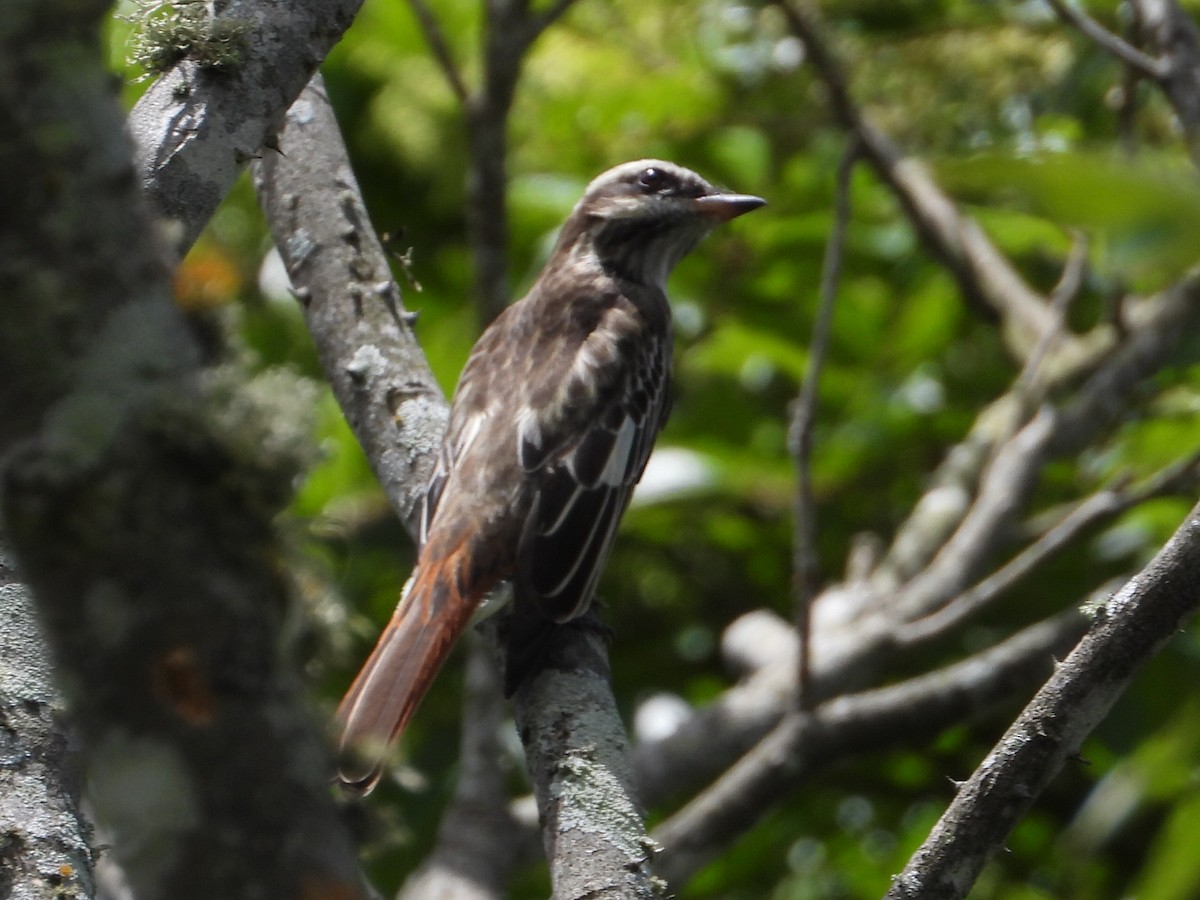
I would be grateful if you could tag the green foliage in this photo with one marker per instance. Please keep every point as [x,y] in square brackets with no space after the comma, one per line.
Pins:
[1143,214]
[1014,112]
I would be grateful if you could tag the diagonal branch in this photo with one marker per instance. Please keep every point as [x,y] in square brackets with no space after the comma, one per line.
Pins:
[195,133]
[803,742]
[985,277]
[438,46]
[1124,51]
[1126,633]
[1099,507]
[351,303]
[1175,37]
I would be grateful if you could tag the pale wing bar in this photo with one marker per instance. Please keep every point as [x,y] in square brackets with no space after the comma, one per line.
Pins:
[586,488]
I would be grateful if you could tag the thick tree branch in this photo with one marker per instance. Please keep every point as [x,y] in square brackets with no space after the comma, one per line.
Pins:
[351,302]
[46,848]
[139,503]
[577,754]
[197,127]
[1127,632]
[380,377]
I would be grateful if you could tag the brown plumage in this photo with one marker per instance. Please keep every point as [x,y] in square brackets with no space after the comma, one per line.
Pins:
[551,425]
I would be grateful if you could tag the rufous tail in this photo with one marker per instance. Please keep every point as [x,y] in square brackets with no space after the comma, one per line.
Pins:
[434,610]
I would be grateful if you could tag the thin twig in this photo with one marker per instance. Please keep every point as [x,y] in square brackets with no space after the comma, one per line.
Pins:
[1026,389]
[1112,43]
[804,551]
[436,38]
[1127,109]
[1067,289]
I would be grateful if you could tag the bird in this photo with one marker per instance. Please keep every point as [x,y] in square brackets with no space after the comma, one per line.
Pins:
[550,428]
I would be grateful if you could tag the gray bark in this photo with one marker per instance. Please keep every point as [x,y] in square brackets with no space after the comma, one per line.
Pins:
[139,504]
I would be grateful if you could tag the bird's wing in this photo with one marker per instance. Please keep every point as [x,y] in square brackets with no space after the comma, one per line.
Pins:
[582,392]
[584,451]
[484,388]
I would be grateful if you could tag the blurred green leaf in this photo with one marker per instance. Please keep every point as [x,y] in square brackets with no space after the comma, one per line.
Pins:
[1147,211]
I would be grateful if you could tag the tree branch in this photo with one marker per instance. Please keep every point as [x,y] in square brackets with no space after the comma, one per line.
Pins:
[1124,51]
[849,648]
[139,501]
[1176,39]
[438,46]
[985,277]
[352,304]
[1126,633]
[1099,507]
[804,412]
[543,20]
[195,128]
[803,742]
[577,753]
[46,848]
[1155,328]
[1013,467]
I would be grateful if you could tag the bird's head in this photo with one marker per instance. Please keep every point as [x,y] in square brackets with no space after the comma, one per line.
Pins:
[643,217]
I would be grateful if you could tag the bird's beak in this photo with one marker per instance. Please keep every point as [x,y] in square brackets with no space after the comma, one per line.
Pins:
[723,207]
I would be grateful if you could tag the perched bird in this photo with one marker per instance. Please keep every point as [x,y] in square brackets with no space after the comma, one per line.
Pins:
[550,428]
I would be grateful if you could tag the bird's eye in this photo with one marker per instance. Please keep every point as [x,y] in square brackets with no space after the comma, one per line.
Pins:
[653,179]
